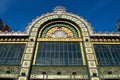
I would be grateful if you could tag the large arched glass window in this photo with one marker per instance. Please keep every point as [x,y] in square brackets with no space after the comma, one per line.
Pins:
[59,53]
[62,53]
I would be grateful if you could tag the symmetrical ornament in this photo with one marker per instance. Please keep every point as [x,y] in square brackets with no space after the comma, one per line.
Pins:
[59,31]
[82,31]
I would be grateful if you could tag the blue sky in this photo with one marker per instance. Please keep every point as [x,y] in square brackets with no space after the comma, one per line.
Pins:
[101,14]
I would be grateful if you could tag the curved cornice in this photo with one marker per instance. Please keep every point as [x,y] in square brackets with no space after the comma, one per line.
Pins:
[58,11]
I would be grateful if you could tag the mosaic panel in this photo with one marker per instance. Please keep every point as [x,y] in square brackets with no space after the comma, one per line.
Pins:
[95,78]
[93,71]
[24,70]
[86,39]
[30,44]
[26,64]
[32,76]
[90,56]
[32,38]
[87,44]
[40,76]
[27,56]
[38,70]
[82,25]
[29,50]
[33,34]
[91,64]
[34,29]
[22,78]
[83,29]
[8,76]
[59,76]
[37,25]
[12,69]
[83,77]
[89,50]
[105,69]
[59,31]
[85,33]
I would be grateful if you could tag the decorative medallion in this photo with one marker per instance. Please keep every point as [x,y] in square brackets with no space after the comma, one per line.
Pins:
[92,64]
[59,31]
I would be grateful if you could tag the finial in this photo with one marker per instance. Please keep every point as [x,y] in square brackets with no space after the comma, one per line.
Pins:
[59,9]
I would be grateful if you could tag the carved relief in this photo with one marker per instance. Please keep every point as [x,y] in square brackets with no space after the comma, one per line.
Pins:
[34,29]
[92,64]
[87,44]
[22,78]
[32,38]
[30,44]
[82,25]
[29,50]
[27,56]
[85,33]
[24,71]
[83,29]
[90,56]
[33,34]
[86,39]
[26,64]
[92,71]
[36,70]
[107,69]
[12,69]
[95,78]
[89,50]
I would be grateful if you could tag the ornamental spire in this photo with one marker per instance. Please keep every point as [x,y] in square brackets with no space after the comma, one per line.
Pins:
[59,9]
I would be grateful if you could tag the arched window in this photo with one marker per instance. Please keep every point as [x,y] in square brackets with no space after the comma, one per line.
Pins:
[59,31]
[59,52]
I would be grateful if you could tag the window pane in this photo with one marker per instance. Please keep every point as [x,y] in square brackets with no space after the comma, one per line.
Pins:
[11,53]
[59,53]
[107,54]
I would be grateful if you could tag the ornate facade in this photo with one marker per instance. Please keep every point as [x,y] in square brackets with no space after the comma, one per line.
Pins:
[59,46]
